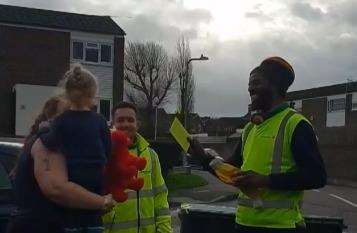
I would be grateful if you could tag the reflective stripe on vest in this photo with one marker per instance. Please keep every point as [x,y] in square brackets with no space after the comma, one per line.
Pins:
[130,224]
[258,203]
[162,212]
[147,192]
[278,145]
[160,189]
[275,169]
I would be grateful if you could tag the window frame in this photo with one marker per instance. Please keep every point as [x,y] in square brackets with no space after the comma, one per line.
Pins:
[99,47]
[96,47]
[72,49]
[111,54]
[330,103]
[354,102]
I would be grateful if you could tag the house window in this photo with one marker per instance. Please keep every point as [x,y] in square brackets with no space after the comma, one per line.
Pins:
[354,106]
[354,102]
[335,105]
[104,108]
[105,53]
[77,50]
[92,52]
[297,105]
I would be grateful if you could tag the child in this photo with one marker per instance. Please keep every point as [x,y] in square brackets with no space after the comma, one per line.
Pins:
[83,137]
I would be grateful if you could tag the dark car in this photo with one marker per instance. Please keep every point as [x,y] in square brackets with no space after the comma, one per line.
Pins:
[8,157]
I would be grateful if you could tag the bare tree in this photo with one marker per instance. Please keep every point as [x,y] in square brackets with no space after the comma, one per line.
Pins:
[150,75]
[186,78]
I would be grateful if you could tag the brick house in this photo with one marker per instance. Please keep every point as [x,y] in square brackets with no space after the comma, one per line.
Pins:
[333,112]
[329,106]
[36,48]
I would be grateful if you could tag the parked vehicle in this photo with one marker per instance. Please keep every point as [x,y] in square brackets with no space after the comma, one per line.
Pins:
[8,156]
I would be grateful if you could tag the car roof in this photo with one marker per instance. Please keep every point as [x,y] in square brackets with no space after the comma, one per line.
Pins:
[10,148]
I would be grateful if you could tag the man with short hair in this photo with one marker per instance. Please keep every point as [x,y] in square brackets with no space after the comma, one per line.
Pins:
[278,155]
[147,210]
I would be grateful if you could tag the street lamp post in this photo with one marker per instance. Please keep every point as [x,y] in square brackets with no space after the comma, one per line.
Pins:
[155,136]
[156,102]
[201,58]
[184,108]
[156,106]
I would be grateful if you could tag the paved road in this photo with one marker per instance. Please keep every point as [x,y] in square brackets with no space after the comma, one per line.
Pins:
[334,201]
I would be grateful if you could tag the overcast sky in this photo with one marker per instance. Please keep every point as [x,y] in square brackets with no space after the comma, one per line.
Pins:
[318,37]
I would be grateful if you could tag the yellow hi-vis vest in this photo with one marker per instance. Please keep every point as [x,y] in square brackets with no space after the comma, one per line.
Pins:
[145,211]
[266,149]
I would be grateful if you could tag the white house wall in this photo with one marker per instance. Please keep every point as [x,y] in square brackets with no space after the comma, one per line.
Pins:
[336,118]
[29,102]
[104,76]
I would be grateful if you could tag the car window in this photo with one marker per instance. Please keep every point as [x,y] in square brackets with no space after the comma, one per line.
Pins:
[4,178]
[8,158]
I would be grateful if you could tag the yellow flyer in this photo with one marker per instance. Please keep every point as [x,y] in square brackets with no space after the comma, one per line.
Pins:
[180,134]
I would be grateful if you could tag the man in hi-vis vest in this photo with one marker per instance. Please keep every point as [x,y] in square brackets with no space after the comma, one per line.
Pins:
[147,210]
[278,155]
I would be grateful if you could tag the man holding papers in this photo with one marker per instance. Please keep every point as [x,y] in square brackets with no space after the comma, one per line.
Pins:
[278,155]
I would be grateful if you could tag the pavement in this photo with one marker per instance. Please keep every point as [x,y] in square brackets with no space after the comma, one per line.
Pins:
[330,201]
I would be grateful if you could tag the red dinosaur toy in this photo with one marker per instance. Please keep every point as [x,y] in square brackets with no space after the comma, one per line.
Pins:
[122,168]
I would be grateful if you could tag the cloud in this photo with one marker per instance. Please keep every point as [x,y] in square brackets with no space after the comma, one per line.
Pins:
[345,11]
[306,11]
[318,37]
[165,26]
[258,13]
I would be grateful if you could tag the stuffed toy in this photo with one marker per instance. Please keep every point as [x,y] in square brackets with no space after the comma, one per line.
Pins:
[122,168]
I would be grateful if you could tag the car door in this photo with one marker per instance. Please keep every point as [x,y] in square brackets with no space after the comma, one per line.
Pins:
[8,158]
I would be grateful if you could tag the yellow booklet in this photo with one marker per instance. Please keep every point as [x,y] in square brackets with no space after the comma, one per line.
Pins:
[180,134]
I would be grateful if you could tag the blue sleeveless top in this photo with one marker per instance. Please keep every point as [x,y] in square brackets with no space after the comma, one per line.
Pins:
[83,137]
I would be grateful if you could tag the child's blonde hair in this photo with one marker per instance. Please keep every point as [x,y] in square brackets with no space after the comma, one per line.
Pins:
[79,84]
